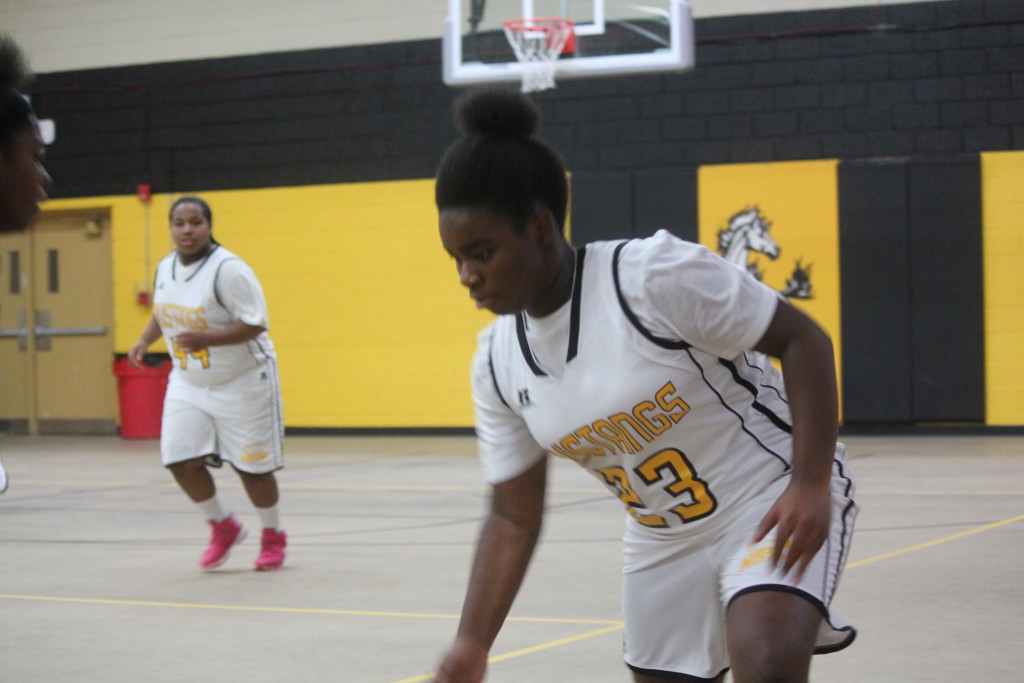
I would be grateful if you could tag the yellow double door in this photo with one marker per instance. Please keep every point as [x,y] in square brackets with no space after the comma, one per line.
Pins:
[56,327]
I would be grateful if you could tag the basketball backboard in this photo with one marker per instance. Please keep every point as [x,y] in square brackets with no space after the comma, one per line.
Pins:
[611,37]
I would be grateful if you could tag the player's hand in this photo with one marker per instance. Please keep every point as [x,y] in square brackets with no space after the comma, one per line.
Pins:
[801,517]
[190,342]
[135,354]
[466,662]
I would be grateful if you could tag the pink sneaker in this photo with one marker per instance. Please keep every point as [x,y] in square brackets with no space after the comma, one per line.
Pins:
[272,551]
[224,534]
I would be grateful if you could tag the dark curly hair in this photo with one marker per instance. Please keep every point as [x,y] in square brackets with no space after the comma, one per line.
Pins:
[15,111]
[498,163]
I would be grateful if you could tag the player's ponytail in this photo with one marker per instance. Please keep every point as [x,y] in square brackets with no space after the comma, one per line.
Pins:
[505,113]
[498,163]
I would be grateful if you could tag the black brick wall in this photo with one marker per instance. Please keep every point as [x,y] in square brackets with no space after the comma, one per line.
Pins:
[922,80]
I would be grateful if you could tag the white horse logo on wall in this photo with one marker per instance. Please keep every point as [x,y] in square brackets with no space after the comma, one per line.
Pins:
[748,232]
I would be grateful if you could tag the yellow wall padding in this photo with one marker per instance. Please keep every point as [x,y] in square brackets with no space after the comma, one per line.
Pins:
[1002,197]
[371,326]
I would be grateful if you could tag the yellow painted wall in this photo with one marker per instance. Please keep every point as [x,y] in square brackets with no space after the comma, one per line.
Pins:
[801,201]
[1002,196]
[370,324]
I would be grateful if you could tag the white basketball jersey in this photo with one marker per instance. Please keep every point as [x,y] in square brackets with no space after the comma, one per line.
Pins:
[643,378]
[209,295]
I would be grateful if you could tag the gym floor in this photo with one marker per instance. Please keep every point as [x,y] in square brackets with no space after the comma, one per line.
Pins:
[99,578]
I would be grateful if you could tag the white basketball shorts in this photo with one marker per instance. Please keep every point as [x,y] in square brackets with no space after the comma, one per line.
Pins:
[239,421]
[676,591]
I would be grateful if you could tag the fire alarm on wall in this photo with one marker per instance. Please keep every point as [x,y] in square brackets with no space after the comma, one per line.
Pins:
[144,192]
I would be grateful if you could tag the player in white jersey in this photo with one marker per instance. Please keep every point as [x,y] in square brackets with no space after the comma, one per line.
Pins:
[645,362]
[23,180]
[223,400]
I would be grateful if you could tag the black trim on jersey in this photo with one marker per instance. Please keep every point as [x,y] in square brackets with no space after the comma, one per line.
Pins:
[494,377]
[850,631]
[677,344]
[577,295]
[848,512]
[524,345]
[216,295]
[686,346]
[767,387]
[174,266]
[675,675]
[725,404]
[756,405]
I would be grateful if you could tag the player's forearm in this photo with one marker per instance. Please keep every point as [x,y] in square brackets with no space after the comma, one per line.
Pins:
[502,557]
[808,368]
[237,332]
[150,333]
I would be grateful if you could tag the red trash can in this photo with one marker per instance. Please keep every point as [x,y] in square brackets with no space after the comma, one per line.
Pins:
[141,395]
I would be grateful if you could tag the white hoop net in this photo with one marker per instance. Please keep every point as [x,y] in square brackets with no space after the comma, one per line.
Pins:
[538,44]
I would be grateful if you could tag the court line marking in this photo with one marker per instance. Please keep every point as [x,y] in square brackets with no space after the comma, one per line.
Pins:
[472,488]
[529,650]
[860,563]
[290,610]
[934,542]
[297,486]
[608,626]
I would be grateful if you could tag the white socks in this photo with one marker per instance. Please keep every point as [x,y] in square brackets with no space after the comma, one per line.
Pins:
[213,509]
[270,518]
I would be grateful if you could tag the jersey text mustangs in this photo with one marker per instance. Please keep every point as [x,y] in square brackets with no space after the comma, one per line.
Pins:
[645,379]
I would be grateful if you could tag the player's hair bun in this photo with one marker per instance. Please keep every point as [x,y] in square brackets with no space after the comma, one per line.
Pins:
[502,112]
[14,72]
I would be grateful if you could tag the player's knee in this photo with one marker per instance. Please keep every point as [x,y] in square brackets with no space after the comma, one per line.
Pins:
[766,664]
[187,467]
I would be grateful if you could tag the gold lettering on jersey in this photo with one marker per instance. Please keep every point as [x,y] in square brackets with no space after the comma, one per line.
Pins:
[625,432]
[600,447]
[254,457]
[756,554]
[621,439]
[755,557]
[571,448]
[180,317]
[628,420]
[673,406]
[654,421]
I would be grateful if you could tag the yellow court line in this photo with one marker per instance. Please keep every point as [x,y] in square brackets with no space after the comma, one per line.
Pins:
[529,650]
[235,608]
[608,626]
[937,541]
[106,484]
[861,563]
[556,643]
[288,610]
[323,486]
[942,492]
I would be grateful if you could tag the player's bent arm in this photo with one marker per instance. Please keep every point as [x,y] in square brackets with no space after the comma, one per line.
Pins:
[237,332]
[507,540]
[149,335]
[808,367]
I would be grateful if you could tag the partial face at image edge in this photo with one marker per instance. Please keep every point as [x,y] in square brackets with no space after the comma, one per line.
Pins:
[23,179]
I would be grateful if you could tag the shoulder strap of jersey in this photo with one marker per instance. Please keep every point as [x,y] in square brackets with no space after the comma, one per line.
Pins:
[216,274]
[490,366]
[677,344]
[577,296]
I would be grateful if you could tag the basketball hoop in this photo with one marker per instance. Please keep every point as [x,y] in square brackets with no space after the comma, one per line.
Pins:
[538,44]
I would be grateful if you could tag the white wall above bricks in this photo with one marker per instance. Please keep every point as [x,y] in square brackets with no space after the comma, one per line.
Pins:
[68,35]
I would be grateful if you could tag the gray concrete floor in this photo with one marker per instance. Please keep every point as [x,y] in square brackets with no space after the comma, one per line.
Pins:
[98,575]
